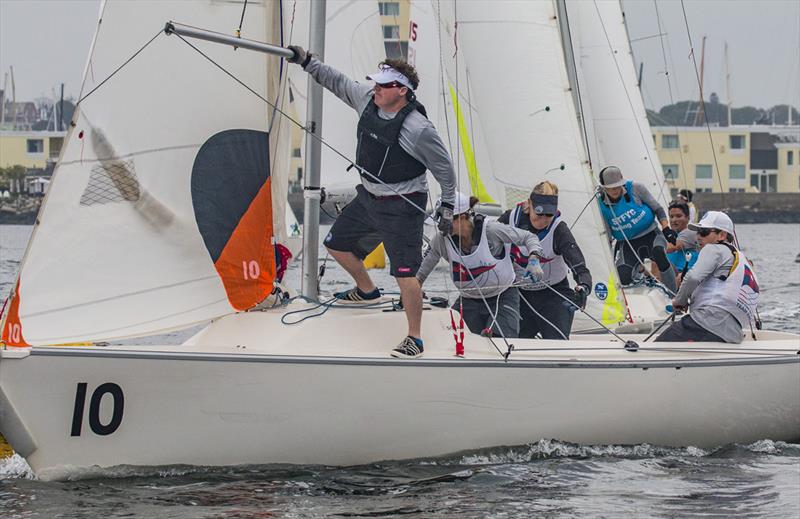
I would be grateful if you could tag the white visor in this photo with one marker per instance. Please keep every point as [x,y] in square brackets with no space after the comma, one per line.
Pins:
[387,74]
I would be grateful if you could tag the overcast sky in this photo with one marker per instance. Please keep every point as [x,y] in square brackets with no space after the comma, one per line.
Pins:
[47,41]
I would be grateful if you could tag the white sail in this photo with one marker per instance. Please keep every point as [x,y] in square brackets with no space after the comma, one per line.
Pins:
[353,45]
[509,117]
[158,215]
[616,118]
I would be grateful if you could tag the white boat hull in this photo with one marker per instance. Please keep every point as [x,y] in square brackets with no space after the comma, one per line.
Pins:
[205,405]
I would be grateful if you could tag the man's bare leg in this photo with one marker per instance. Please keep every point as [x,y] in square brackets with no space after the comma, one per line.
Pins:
[411,293]
[355,267]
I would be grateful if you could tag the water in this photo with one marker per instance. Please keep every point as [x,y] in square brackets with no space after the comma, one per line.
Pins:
[544,478]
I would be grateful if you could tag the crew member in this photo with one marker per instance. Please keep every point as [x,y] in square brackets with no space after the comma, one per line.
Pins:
[396,145]
[722,288]
[633,216]
[560,254]
[479,253]
[683,254]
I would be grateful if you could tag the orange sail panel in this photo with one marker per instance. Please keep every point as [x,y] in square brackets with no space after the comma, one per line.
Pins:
[247,263]
[12,330]
[233,210]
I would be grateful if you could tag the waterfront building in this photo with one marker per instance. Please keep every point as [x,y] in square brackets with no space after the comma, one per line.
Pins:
[30,149]
[733,159]
[394,24]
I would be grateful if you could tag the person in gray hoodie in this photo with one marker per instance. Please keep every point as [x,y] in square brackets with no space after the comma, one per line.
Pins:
[397,144]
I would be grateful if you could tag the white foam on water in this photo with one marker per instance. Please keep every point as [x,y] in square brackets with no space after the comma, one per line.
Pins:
[15,467]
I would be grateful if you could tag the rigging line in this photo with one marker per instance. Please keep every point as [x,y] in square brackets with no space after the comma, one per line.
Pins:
[587,314]
[441,78]
[480,292]
[671,96]
[540,316]
[592,196]
[647,273]
[630,104]
[241,21]
[151,40]
[703,106]
[306,130]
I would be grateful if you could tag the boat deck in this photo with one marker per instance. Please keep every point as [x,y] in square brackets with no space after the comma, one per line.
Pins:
[358,334]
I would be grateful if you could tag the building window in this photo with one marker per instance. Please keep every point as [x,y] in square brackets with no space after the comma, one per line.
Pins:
[737,142]
[703,190]
[789,158]
[669,142]
[736,190]
[296,152]
[737,172]
[670,171]
[389,8]
[702,172]
[391,32]
[765,183]
[35,145]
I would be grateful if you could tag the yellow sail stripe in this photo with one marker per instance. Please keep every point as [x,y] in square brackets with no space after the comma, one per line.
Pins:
[478,189]
[613,309]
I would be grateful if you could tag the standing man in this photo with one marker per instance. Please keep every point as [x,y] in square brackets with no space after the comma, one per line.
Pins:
[396,145]
[634,216]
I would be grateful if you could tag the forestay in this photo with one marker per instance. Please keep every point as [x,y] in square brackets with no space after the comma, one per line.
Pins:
[616,119]
[159,214]
[508,114]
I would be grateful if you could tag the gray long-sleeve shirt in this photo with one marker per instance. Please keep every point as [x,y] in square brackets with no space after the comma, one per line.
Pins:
[418,137]
[497,235]
[714,260]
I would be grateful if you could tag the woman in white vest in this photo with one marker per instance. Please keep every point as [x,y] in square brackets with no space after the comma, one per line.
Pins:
[560,254]
[721,291]
[479,255]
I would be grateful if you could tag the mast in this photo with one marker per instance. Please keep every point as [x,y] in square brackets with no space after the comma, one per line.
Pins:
[311,189]
[572,71]
[700,115]
[728,85]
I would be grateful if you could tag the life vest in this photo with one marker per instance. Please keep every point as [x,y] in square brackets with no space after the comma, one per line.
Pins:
[626,216]
[737,293]
[678,258]
[554,267]
[480,271]
[379,151]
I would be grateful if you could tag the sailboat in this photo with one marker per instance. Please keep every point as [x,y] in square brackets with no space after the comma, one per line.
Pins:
[164,212]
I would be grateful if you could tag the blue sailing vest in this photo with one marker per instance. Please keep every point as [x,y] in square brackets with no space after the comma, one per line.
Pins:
[678,258]
[628,219]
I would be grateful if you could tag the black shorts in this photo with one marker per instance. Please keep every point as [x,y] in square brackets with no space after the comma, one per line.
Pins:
[368,220]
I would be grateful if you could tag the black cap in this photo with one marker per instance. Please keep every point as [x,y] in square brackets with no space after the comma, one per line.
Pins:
[544,204]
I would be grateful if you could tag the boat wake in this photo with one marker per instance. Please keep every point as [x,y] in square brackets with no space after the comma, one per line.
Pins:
[15,467]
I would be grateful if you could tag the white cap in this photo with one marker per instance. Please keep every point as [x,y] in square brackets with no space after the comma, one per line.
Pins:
[714,220]
[387,74]
[460,206]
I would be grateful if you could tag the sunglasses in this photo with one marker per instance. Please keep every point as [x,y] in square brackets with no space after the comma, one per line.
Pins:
[705,232]
[393,84]
[545,215]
